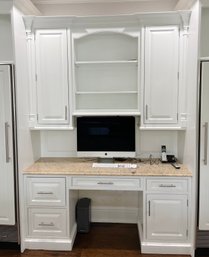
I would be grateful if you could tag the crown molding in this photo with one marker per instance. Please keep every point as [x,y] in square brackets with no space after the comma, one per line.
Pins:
[139,19]
[26,7]
[47,2]
[185,4]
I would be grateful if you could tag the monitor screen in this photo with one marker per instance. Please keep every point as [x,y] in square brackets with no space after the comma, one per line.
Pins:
[106,136]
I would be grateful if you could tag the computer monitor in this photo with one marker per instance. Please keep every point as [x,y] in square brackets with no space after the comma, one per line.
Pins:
[106,137]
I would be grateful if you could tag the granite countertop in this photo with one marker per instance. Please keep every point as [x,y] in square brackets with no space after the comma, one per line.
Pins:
[83,166]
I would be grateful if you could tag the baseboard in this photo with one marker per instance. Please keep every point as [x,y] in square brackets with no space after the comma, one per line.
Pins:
[166,248]
[48,244]
[114,214]
[202,252]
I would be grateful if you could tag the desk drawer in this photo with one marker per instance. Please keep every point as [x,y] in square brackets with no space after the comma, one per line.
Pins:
[106,183]
[167,185]
[46,191]
[47,222]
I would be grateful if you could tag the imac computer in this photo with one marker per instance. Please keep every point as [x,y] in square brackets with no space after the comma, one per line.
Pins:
[106,136]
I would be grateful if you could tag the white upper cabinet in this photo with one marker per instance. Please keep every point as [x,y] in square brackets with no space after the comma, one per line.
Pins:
[161,66]
[105,72]
[51,55]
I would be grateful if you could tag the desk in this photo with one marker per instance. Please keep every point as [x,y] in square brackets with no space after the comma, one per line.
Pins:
[51,192]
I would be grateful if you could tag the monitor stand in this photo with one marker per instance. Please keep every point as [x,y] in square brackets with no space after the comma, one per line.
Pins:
[105,160]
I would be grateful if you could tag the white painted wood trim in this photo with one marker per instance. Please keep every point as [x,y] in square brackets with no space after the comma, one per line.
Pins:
[166,248]
[48,244]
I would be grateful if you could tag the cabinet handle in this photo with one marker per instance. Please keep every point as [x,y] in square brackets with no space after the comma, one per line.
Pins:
[149,204]
[164,185]
[105,183]
[51,224]
[205,143]
[45,193]
[65,112]
[146,112]
[7,141]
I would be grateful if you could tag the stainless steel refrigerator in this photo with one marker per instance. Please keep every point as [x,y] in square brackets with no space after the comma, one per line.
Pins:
[9,227]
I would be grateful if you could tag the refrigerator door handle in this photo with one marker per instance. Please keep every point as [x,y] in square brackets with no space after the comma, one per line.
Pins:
[205,160]
[7,141]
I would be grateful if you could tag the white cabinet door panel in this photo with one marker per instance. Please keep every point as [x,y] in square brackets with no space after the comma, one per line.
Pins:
[46,191]
[161,75]
[204,153]
[7,194]
[52,76]
[47,222]
[166,217]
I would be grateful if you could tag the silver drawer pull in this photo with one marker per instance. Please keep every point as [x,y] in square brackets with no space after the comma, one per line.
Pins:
[45,193]
[7,141]
[51,224]
[149,205]
[164,185]
[205,143]
[105,183]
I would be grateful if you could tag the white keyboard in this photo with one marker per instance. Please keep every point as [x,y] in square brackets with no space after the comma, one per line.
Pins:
[114,165]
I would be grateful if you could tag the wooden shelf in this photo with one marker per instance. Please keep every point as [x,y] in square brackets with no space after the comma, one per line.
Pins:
[106,62]
[103,92]
[105,112]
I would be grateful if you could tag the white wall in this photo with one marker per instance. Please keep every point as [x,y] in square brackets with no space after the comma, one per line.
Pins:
[63,143]
[204,33]
[6,47]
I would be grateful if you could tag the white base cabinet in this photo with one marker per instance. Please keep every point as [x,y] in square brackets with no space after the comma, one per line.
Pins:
[167,217]
[50,210]
[50,223]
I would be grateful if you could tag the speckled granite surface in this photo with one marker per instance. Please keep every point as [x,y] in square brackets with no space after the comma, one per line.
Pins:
[78,166]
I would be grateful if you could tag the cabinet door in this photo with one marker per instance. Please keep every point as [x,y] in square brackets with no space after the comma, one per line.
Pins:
[204,153]
[7,191]
[161,75]
[52,76]
[166,217]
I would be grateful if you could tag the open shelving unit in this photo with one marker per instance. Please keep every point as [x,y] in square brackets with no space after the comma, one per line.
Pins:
[105,73]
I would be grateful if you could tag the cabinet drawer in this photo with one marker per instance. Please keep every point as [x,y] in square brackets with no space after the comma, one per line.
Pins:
[46,191]
[47,222]
[107,183]
[167,185]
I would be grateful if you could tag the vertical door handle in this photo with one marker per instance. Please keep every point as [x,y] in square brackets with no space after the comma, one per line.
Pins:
[149,208]
[205,143]
[65,112]
[7,141]
[146,112]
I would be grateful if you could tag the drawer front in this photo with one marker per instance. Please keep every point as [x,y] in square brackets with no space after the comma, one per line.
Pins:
[46,191]
[167,185]
[47,222]
[107,183]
